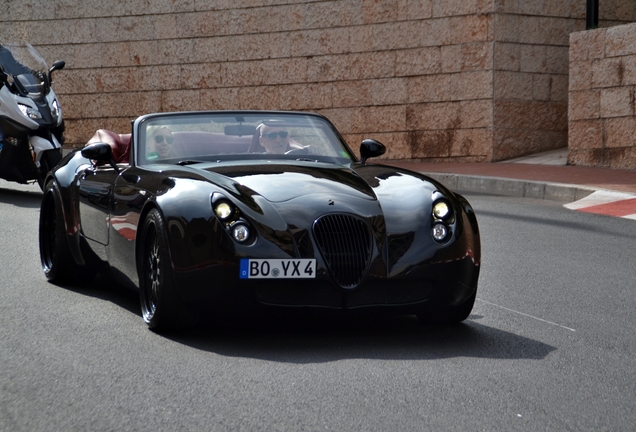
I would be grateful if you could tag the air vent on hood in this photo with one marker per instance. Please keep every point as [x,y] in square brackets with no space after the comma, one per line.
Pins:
[345,243]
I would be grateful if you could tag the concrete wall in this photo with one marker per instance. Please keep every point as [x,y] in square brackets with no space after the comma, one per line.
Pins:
[602,114]
[439,80]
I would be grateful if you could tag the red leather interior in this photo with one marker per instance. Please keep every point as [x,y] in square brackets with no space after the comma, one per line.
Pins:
[119,143]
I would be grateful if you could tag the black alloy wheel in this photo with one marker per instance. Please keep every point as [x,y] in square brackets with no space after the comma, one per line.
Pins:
[161,308]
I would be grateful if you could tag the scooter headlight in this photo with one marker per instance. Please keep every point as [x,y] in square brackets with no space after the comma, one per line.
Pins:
[29,112]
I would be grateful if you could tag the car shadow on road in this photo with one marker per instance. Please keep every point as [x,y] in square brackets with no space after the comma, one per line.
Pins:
[20,198]
[105,288]
[317,337]
[320,339]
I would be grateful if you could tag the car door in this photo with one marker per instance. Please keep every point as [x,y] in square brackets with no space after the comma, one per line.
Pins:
[95,202]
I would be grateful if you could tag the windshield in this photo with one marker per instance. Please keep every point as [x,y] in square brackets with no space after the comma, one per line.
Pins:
[191,138]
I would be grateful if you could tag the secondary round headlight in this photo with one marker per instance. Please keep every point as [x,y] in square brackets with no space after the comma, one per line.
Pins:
[441,209]
[241,233]
[223,210]
[439,232]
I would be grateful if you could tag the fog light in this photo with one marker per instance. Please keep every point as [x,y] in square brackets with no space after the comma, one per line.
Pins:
[240,233]
[439,232]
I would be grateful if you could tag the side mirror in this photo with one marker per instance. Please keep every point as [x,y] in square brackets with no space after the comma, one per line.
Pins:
[100,152]
[57,65]
[371,148]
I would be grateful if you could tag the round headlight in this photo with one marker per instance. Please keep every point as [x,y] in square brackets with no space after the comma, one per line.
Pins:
[439,232]
[441,209]
[223,210]
[240,233]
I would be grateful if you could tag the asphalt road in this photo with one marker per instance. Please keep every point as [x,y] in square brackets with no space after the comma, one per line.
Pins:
[550,345]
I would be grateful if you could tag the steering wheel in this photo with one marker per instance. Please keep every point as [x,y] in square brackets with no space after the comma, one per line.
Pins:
[298,151]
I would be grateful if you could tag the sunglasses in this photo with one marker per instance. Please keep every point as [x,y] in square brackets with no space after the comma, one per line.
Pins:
[159,139]
[272,135]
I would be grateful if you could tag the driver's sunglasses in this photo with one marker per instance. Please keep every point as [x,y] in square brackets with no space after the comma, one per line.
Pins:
[159,139]
[272,135]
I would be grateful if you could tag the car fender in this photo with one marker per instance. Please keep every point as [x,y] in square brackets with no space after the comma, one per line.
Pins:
[195,236]
[65,177]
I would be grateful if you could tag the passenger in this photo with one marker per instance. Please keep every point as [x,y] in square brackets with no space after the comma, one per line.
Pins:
[159,143]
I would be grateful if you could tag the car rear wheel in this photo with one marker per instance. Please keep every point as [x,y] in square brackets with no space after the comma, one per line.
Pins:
[55,254]
[445,314]
[161,308]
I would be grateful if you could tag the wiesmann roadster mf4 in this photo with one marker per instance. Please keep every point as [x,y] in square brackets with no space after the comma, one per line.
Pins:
[219,208]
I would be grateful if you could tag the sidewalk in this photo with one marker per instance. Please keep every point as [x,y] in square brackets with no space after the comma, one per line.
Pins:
[541,176]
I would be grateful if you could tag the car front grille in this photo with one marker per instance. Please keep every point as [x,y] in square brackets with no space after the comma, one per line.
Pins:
[345,243]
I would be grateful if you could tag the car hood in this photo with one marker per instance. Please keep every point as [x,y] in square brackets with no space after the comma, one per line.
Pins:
[280,183]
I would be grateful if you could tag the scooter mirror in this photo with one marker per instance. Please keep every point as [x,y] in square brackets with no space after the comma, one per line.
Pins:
[57,65]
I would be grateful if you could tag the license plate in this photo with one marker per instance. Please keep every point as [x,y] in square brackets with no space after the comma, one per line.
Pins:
[278,269]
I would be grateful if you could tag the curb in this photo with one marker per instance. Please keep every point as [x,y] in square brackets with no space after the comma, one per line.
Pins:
[564,193]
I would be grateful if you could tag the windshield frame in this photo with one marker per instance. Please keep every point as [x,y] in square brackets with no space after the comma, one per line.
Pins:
[339,153]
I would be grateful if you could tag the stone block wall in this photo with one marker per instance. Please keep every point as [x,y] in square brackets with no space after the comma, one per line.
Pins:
[415,74]
[531,75]
[602,113]
[435,80]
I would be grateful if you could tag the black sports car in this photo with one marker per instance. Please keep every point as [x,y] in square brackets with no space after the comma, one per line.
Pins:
[268,208]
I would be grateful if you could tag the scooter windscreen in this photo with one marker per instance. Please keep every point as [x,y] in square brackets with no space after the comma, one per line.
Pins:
[21,59]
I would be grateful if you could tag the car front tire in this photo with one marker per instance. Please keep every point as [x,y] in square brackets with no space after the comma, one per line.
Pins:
[445,314]
[161,308]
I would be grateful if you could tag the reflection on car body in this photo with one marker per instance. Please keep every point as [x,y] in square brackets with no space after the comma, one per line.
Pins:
[224,217]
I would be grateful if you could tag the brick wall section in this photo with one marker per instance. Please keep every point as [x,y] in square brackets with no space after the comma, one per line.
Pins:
[602,114]
[415,74]
[436,80]
[531,75]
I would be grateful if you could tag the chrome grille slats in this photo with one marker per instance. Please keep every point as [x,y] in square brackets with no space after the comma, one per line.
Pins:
[345,242]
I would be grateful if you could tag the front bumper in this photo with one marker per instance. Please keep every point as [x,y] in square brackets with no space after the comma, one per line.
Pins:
[219,286]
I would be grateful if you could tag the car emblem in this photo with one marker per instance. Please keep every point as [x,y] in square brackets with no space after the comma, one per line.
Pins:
[331,202]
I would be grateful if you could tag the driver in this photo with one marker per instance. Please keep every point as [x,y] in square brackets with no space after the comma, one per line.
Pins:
[274,139]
